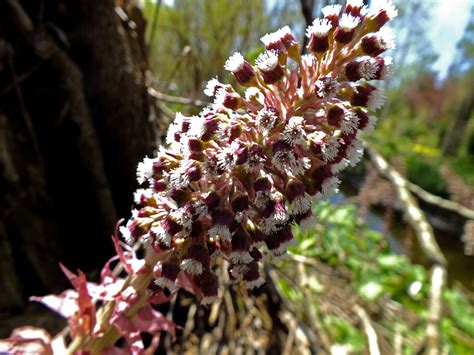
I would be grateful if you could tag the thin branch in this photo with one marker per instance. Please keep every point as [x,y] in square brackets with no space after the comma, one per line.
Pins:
[416,218]
[438,280]
[440,202]
[369,330]
[176,99]
[428,243]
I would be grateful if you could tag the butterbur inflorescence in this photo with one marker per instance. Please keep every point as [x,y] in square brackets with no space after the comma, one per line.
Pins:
[234,178]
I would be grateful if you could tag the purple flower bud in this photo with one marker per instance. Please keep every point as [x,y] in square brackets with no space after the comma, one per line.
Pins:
[209,286]
[240,247]
[230,100]
[335,115]
[240,203]
[195,145]
[139,227]
[211,200]
[270,67]
[369,96]
[242,153]
[166,274]
[318,34]
[252,276]
[375,44]
[159,185]
[262,184]
[380,15]
[194,173]
[244,73]
[331,13]
[305,220]
[180,196]
[354,7]
[346,29]
[221,223]
[196,260]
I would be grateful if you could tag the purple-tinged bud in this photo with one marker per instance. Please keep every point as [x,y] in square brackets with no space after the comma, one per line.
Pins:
[252,277]
[295,192]
[326,87]
[204,127]
[375,44]
[209,286]
[240,247]
[212,87]
[256,254]
[221,222]
[160,185]
[346,29]
[286,161]
[194,173]
[318,34]
[196,260]
[197,230]
[331,13]
[166,274]
[230,100]
[274,217]
[274,42]
[235,131]
[384,69]
[159,166]
[243,72]
[197,156]
[242,154]
[267,118]
[164,231]
[269,67]
[322,173]
[211,200]
[139,227]
[195,145]
[279,241]
[369,68]
[381,12]
[305,220]
[289,41]
[354,8]
[257,238]
[240,203]
[366,122]
[256,158]
[369,96]
[179,195]
[335,115]
[262,184]
[284,236]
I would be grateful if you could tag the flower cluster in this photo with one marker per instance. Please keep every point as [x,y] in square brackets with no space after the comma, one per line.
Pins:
[234,178]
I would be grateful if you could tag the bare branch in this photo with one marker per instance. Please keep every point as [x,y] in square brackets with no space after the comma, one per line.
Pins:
[438,280]
[369,330]
[176,99]
[440,202]
[416,218]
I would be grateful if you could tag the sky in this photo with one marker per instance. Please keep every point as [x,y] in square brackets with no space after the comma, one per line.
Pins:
[449,20]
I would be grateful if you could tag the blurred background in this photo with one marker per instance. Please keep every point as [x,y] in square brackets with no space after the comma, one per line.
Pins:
[88,88]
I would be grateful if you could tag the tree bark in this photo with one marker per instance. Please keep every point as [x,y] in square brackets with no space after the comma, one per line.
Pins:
[73,126]
[457,129]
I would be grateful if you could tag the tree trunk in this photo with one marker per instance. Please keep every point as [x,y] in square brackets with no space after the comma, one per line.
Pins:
[454,137]
[73,126]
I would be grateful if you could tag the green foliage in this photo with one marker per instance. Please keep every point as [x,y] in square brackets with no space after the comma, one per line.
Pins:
[342,240]
[425,173]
